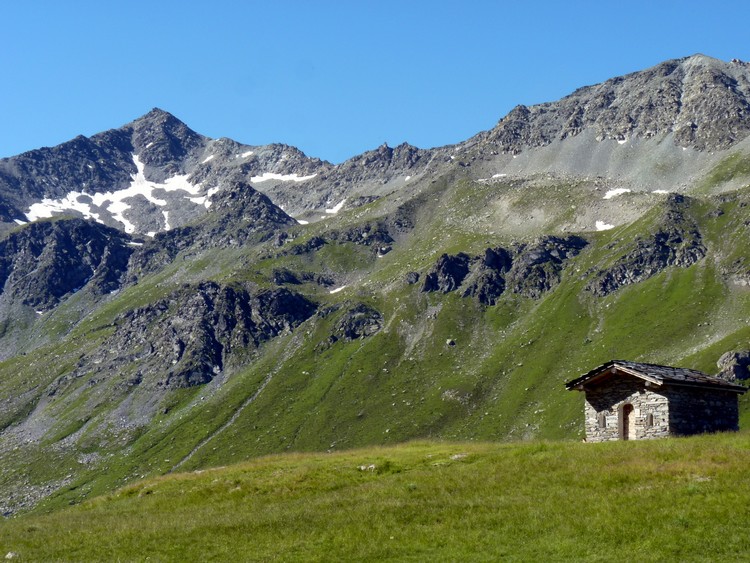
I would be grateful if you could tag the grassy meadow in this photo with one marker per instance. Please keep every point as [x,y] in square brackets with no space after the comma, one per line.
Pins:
[667,500]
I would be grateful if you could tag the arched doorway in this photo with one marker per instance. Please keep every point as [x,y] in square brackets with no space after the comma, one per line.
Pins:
[627,422]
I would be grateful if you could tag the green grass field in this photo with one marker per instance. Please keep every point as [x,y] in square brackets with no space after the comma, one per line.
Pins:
[668,500]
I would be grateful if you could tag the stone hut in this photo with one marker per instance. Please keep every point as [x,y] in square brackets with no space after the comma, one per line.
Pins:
[634,401]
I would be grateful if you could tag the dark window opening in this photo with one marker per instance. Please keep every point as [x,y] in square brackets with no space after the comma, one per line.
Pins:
[649,420]
[602,420]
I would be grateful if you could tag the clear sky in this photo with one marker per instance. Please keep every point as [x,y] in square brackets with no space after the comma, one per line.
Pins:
[334,78]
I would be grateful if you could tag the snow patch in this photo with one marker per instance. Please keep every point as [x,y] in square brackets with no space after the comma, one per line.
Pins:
[336,208]
[660,192]
[303,222]
[117,209]
[209,158]
[246,154]
[209,194]
[622,141]
[602,226]
[337,289]
[282,177]
[114,202]
[19,222]
[499,175]
[133,243]
[618,191]
[407,178]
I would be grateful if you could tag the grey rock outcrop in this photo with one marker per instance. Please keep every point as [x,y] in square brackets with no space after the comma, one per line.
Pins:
[310,245]
[677,242]
[447,274]
[367,235]
[376,235]
[734,365]
[537,267]
[284,276]
[487,281]
[529,269]
[187,338]
[358,322]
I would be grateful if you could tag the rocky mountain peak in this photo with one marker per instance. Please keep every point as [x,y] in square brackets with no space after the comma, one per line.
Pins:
[401,156]
[161,140]
[703,102]
[157,114]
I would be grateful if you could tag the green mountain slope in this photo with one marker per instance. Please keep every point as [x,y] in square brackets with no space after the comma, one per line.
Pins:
[430,365]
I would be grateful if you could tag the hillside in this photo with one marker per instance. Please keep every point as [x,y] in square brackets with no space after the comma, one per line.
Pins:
[172,302]
[677,499]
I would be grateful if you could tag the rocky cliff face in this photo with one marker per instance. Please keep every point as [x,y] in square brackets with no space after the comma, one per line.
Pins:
[528,269]
[43,263]
[195,333]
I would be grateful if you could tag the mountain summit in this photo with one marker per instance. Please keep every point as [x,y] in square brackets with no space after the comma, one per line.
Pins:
[704,103]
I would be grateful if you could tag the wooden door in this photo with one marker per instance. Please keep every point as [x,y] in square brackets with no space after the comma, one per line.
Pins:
[627,431]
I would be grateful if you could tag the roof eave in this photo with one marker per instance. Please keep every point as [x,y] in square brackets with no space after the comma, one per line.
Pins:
[739,389]
[639,375]
[579,383]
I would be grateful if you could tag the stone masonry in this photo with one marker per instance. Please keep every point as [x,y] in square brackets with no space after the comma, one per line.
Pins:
[604,405]
[694,412]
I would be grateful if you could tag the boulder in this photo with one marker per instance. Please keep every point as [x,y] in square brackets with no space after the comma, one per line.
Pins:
[734,365]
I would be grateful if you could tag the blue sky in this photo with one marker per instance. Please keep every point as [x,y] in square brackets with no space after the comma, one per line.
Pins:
[334,78]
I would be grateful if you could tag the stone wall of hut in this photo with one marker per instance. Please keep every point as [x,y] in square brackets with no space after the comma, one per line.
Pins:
[667,411]
[604,404]
[694,411]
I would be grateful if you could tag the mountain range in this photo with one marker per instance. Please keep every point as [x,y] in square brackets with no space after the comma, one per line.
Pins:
[171,302]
